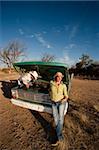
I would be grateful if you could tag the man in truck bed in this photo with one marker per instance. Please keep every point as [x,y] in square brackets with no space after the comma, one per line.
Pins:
[26,79]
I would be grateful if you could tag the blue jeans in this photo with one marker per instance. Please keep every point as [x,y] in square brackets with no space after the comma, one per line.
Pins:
[58,114]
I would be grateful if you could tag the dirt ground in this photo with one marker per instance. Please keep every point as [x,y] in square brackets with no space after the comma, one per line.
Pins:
[23,129]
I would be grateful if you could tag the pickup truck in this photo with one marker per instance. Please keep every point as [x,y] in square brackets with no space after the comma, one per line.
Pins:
[37,96]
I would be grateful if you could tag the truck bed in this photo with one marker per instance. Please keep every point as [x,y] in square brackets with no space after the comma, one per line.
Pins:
[32,95]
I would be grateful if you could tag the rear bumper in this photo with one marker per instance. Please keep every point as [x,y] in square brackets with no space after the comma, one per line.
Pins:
[32,106]
[35,106]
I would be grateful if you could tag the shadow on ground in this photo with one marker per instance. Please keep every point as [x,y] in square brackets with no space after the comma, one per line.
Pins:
[6,87]
[80,127]
[47,126]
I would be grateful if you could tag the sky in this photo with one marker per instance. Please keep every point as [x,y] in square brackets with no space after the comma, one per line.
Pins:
[65,29]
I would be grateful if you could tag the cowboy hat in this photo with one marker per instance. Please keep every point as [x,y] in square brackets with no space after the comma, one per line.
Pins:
[34,74]
[58,74]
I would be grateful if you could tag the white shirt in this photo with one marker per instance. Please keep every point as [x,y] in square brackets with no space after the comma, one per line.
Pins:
[26,78]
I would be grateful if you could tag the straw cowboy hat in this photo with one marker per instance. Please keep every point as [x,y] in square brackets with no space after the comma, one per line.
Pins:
[58,74]
[34,74]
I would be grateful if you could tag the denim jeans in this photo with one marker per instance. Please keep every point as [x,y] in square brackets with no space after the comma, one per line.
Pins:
[58,114]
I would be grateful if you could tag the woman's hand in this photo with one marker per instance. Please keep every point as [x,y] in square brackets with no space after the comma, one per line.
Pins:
[64,99]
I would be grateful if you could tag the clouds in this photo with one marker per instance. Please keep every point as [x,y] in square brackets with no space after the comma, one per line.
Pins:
[42,41]
[73,32]
[21,32]
[70,46]
[30,36]
[69,31]
[42,36]
[38,36]
[61,32]
[66,59]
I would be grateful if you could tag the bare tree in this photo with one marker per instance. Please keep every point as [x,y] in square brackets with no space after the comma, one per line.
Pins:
[85,60]
[11,53]
[47,57]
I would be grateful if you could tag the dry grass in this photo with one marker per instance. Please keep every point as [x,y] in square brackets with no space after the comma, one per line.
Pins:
[22,129]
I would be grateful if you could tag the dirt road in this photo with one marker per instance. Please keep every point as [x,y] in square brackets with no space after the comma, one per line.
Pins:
[22,129]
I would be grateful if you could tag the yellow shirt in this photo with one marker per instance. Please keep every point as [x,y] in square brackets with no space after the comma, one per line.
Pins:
[57,92]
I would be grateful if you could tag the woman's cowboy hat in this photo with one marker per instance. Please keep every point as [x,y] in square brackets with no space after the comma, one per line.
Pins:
[58,74]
